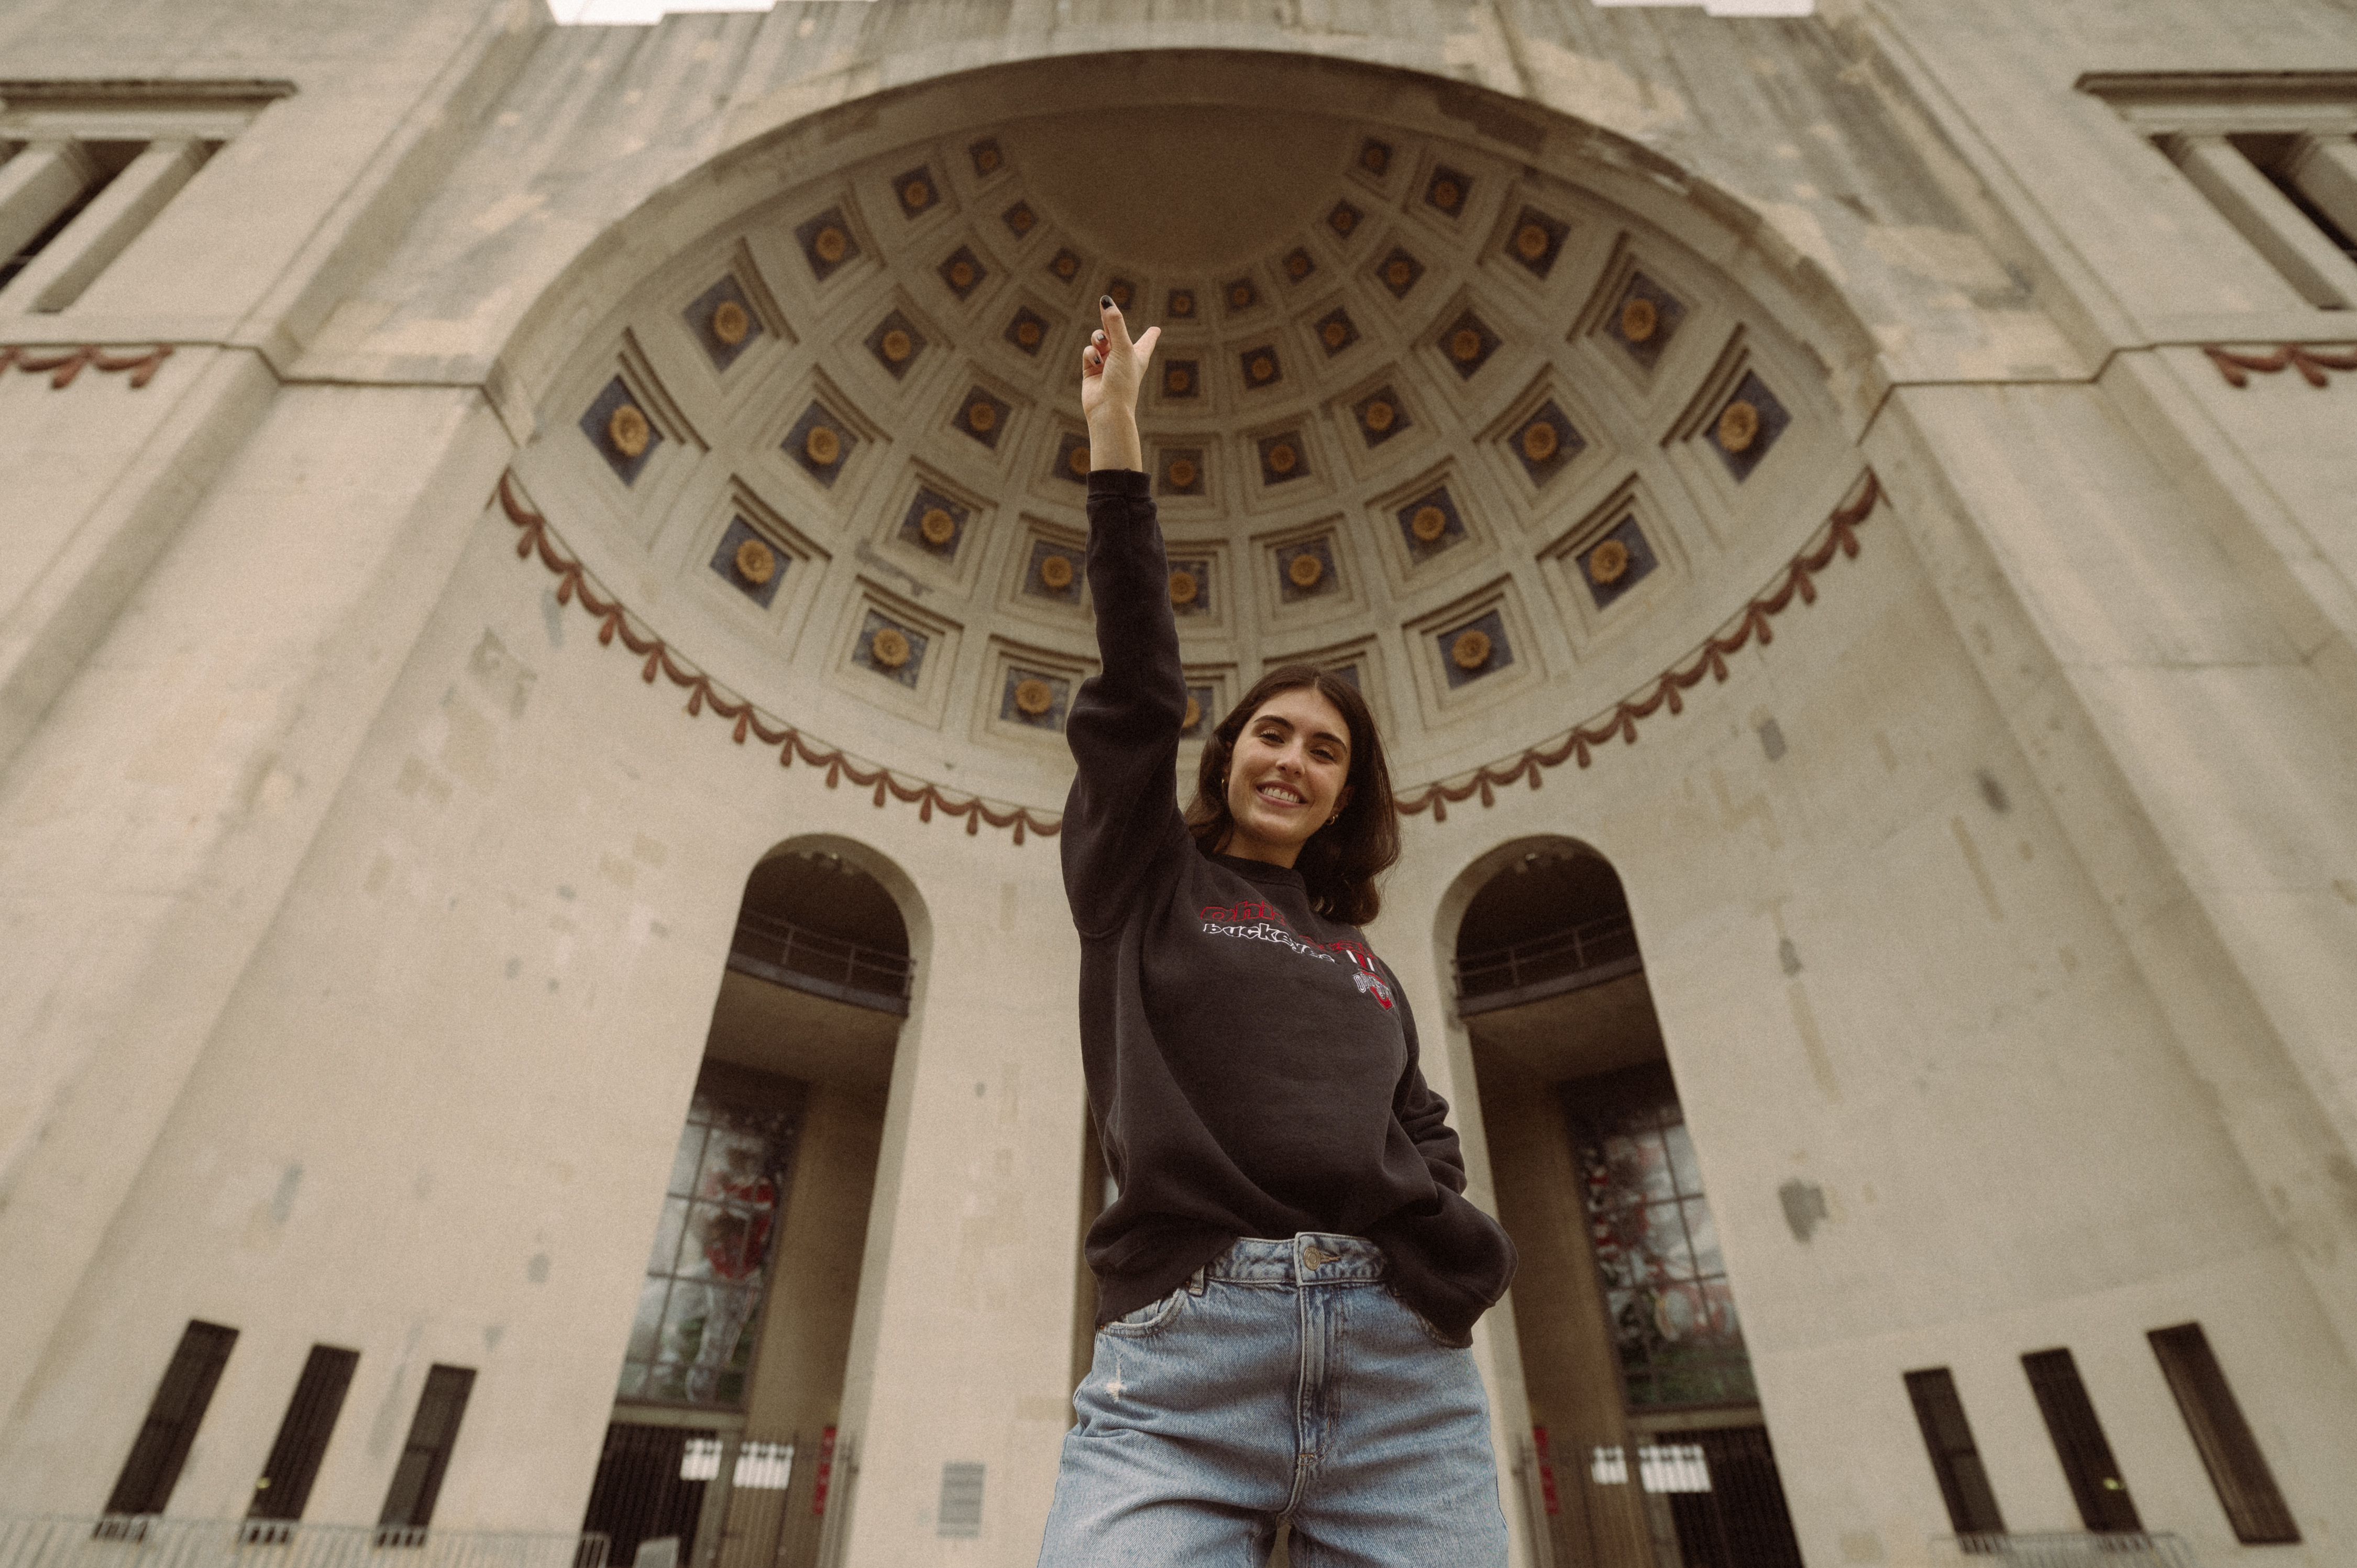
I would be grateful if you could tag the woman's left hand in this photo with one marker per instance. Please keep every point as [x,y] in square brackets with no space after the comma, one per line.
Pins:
[1113,367]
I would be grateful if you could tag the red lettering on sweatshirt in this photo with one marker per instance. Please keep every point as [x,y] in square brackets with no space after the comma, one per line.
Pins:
[1247,909]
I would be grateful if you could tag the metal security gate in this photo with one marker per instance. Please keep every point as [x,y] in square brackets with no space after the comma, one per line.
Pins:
[1706,1499]
[1736,1517]
[642,1494]
[775,1510]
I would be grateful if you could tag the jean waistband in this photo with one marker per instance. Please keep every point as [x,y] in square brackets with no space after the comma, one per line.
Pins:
[1310,1258]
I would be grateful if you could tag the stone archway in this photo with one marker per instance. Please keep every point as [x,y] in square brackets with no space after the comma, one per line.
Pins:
[731,1387]
[1630,1346]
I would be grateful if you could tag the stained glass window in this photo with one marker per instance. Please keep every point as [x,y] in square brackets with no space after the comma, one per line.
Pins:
[700,1306]
[1671,1314]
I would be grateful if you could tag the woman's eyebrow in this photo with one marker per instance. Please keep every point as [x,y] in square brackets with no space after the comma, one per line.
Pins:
[1341,740]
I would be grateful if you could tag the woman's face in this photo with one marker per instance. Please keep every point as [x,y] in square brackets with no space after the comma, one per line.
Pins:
[1288,776]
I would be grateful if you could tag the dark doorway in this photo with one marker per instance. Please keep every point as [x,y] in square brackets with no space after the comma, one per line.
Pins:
[641,1492]
[1739,1522]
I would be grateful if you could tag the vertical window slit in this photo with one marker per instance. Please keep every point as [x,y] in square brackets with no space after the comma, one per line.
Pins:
[285,1484]
[1955,1458]
[2079,1442]
[2247,1488]
[417,1479]
[152,1469]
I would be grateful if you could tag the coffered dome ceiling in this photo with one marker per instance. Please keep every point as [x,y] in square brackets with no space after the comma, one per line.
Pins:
[1465,428]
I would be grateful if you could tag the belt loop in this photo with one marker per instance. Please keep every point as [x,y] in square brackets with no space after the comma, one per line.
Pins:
[1195,1282]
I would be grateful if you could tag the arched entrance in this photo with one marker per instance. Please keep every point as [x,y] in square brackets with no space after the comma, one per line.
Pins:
[725,1419]
[1640,1386]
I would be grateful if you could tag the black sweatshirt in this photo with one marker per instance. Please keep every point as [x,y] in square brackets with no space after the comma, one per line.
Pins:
[1252,1067]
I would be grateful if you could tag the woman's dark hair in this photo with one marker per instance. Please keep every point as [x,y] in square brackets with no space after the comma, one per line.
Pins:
[1342,859]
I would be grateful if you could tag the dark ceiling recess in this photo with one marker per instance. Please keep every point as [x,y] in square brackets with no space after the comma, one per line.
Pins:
[1546,890]
[821,892]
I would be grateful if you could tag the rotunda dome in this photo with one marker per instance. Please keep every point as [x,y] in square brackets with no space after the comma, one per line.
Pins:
[1501,438]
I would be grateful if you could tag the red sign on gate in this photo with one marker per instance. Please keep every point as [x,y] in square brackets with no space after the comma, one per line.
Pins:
[1538,1440]
[826,1470]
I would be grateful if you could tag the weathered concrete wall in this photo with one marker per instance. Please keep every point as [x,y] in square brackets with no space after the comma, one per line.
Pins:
[233,273]
[155,821]
[2015,1148]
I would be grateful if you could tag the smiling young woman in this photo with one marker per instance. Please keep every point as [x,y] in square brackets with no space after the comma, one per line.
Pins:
[1290,1219]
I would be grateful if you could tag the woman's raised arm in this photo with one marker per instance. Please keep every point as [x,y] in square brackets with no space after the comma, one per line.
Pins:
[1123,813]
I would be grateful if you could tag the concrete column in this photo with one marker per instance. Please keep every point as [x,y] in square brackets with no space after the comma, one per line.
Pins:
[2266,217]
[1421,908]
[1448,1071]
[105,228]
[90,502]
[2325,169]
[962,1347]
[1572,1384]
[37,185]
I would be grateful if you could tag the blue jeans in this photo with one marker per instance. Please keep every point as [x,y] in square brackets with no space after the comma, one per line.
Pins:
[1284,1382]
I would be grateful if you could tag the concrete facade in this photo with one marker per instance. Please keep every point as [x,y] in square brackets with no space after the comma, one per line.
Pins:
[365,909]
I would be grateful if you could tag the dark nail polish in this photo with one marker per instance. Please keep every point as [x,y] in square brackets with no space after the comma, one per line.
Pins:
[1105,304]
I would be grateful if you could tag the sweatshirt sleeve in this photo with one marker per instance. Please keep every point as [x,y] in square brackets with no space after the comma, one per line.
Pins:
[1448,1256]
[1122,815]
[1424,1113]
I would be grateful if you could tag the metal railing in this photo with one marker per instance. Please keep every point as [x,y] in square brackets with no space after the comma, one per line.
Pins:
[1560,960]
[2068,1549]
[769,1522]
[152,1541]
[841,1483]
[787,955]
